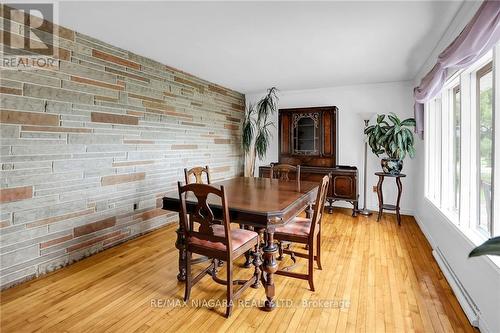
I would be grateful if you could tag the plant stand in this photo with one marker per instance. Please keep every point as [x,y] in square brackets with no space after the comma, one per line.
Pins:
[381,205]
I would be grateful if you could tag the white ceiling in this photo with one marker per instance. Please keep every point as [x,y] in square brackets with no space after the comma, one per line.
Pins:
[250,46]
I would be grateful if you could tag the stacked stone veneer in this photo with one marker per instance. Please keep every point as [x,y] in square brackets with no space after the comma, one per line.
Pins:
[88,150]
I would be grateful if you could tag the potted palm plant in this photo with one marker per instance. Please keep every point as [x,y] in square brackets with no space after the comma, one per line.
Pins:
[256,130]
[392,137]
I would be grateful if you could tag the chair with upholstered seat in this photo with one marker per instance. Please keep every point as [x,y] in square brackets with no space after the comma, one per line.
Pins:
[214,238]
[282,172]
[305,231]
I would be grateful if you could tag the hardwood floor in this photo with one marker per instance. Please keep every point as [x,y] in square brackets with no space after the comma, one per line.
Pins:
[385,276]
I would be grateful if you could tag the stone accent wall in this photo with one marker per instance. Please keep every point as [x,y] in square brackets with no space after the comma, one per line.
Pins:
[88,150]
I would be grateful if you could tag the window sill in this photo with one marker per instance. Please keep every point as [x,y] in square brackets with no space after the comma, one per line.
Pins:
[473,237]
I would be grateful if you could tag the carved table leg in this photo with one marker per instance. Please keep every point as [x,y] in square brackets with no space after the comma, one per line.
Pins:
[257,261]
[380,197]
[270,267]
[400,190]
[355,208]
[180,244]
[280,251]
[248,260]
[330,206]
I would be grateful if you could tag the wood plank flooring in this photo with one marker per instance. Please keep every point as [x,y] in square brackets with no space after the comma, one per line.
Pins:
[376,277]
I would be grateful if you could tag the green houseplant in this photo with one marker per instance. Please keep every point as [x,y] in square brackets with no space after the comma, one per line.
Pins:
[256,130]
[393,137]
[490,247]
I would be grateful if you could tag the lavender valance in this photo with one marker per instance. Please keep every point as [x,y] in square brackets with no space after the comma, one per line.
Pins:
[477,38]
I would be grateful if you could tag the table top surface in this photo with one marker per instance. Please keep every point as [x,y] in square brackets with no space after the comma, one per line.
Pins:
[389,174]
[256,195]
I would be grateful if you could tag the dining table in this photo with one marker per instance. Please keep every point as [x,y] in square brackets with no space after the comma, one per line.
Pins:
[261,204]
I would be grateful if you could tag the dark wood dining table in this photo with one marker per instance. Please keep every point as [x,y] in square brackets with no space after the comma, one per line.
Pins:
[261,203]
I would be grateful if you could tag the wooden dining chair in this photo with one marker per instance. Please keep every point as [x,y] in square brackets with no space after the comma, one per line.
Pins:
[304,231]
[282,171]
[214,239]
[198,173]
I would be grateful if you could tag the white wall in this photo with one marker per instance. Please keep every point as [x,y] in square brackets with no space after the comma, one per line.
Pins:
[351,100]
[477,277]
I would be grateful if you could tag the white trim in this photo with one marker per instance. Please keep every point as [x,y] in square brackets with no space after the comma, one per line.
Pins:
[496,146]
[466,150]
[464,299]
[342,204]
[472,238]
[466,302]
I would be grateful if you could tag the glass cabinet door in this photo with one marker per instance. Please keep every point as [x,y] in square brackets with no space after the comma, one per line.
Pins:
[306,134]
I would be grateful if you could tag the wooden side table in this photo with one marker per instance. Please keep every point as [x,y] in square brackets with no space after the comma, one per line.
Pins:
[381,205]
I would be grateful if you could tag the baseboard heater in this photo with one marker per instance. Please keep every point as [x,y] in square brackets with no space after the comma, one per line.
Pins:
[470,308]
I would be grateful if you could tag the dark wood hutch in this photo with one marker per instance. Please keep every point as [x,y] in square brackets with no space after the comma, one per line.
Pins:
[308,136]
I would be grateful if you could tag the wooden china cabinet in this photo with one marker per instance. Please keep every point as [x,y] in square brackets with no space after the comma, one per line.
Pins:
[308,137]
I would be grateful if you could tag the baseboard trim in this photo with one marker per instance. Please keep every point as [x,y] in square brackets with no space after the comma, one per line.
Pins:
[464,299]
[42,274]
[425,231]
[470,308]
[342,204]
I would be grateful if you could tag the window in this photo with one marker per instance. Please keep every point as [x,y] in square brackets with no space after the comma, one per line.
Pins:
[460,149]
[433,150]
[484,101]
[456,147]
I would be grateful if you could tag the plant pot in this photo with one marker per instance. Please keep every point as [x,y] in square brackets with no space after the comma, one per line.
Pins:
[392,166]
